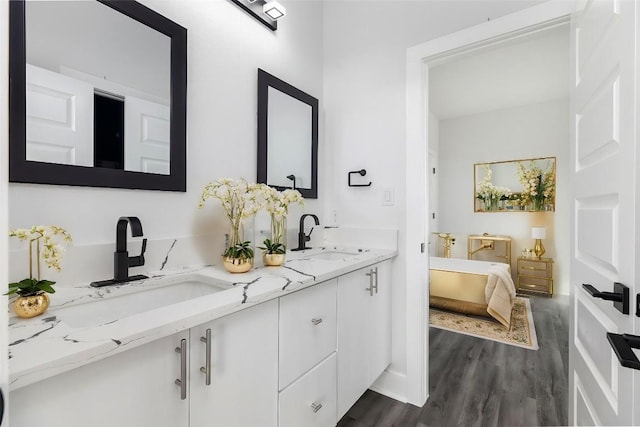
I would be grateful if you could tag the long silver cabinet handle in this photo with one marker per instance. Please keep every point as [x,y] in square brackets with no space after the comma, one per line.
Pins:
[371,287]
[182,382]
[375,272]
[316,406]
[316,321]
[206,369]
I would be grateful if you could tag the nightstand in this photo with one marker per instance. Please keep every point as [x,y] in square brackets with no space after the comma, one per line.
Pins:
[535,276]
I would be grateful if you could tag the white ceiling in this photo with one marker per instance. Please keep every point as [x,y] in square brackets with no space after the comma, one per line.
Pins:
[515,73]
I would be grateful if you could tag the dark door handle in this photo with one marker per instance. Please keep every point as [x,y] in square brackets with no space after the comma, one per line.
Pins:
[622,346]
[1,406]
[619,296]
[637,305]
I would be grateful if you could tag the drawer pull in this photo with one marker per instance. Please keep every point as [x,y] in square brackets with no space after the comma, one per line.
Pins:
[532,268]
[316,321]
[316,406]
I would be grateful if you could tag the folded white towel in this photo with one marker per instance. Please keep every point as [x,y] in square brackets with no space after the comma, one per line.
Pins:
[500,294]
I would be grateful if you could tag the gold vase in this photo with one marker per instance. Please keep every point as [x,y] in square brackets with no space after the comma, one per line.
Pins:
[237,265]
[272,260]
[31,306]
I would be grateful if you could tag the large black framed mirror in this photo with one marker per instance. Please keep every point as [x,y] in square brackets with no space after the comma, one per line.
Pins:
[97,95]
[287,136]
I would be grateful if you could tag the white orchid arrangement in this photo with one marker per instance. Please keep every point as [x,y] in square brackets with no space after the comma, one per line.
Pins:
[240,201]
[277,202]
[43,237]
[489,193]
[538,184]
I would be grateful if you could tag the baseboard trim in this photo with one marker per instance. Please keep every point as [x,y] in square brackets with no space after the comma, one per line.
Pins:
[392,384]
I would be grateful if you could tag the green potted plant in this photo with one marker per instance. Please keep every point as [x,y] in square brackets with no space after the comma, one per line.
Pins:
[273,253]
[32,292]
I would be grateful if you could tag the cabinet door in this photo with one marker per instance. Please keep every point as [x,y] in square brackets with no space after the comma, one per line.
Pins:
[131,389]
[379,329]
[244,370]
[353,341]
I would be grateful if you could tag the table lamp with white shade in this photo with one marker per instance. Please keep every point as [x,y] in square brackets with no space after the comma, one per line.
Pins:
[538,233]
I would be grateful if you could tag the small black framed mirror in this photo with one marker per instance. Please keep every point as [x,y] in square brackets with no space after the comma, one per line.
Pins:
[287,136]
[97,95]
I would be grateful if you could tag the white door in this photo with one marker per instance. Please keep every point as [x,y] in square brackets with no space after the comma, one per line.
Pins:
[146,136]
[604,242]
[59,118]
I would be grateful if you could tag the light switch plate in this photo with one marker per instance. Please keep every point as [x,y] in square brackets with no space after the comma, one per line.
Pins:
[387,197]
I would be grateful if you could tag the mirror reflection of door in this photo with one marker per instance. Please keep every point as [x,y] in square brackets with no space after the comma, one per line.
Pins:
[78,52]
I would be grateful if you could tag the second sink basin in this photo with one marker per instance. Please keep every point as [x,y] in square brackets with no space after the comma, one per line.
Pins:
[166,292]
[333,255]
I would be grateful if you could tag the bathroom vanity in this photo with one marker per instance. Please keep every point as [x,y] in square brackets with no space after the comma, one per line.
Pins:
[289,346]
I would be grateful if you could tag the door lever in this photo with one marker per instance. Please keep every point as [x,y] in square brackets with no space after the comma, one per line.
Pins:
[619,296]
[637,305]
[622,346]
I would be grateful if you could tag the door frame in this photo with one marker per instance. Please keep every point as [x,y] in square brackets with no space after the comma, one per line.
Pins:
[419,59]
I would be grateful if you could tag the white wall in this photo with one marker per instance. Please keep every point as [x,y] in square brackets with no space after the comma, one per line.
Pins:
[365,48]
[539,130]
[225,48]
[4,176]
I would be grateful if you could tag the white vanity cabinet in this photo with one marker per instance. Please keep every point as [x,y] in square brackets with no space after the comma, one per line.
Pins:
[299,360]
[364,331]
[130,389]
[307,368]
[138,387]
[243,365]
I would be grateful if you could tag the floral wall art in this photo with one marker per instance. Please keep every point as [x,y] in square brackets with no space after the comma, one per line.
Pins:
[515,186]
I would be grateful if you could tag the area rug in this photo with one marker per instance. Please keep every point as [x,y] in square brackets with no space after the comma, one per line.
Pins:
[521,334]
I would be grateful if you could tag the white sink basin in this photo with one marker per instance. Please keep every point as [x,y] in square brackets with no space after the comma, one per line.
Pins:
[332,255]
[163,293]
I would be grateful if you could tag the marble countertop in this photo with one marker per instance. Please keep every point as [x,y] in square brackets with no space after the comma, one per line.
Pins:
[48,345]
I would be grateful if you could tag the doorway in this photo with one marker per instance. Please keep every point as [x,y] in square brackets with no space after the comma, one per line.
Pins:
[419,61]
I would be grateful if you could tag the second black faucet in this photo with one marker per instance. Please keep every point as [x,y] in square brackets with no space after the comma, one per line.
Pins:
[302,237]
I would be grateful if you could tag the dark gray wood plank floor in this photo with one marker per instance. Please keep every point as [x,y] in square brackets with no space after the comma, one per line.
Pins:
[477,382]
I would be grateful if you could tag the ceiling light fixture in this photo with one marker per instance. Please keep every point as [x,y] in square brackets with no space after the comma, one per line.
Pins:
[274,10]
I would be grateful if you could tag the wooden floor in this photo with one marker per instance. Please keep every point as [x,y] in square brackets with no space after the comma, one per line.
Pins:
[477,382]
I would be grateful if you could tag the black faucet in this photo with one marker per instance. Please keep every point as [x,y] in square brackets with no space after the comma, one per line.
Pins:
[121,259]
[304,238]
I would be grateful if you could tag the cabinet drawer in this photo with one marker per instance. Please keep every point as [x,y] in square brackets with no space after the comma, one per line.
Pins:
[534,268]
[535,284]
[307,330]
[311,401]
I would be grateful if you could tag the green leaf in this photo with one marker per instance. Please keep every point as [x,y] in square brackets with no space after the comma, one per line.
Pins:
[45,285]
[12,291]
